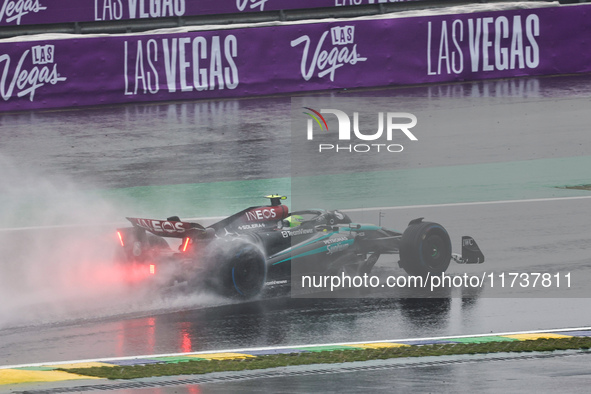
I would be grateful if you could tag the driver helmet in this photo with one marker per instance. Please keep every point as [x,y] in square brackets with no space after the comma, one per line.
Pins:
[294,220]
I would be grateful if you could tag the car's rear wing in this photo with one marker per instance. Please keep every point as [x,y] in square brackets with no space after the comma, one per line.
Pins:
[171,227]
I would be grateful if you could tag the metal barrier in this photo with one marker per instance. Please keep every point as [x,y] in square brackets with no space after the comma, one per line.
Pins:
[340,10]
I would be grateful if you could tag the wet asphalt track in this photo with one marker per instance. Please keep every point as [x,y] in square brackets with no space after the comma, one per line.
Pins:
[186,143]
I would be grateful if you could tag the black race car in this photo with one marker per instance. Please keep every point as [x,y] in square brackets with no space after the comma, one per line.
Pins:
[261,247]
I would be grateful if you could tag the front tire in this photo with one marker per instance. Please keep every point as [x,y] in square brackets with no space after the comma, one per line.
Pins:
[425,248]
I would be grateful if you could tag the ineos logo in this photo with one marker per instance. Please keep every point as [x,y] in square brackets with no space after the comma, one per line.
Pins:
[160,226]
[261,214]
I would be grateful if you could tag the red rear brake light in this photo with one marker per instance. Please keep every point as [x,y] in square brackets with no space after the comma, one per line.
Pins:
[120,238]
[186,244]
[152,269]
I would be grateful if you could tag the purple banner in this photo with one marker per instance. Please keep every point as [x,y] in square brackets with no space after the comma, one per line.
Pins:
[294,58]
[29,12]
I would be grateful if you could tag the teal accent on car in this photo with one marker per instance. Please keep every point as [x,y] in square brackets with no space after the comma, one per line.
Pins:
[305,244]
[323,248]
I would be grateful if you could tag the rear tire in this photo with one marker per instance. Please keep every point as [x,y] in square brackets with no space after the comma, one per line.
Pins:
[425,248]
[241,272]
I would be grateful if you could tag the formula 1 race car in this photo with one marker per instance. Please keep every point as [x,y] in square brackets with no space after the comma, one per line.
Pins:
[258,247]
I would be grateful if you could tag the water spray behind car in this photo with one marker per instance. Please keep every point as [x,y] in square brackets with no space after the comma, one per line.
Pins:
[56,253]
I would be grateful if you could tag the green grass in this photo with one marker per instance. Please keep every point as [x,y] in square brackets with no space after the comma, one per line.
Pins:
[329,357]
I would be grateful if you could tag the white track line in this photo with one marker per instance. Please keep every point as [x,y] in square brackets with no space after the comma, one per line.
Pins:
[216,218]
[460,204]
[557,330]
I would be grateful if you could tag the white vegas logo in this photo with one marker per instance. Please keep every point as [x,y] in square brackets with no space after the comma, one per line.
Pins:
[26,82]
[328,61]
[188,63]
[15,10]
[105,10]
[260,4]
[483,44]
